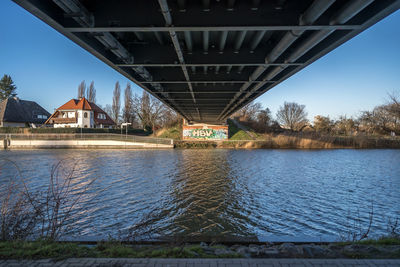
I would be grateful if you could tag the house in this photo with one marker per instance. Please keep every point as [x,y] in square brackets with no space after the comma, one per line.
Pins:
[80,113]
[15,112]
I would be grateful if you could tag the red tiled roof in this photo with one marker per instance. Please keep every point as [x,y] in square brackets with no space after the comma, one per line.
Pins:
[76,104]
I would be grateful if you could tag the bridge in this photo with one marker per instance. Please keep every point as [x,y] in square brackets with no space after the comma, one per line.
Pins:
[208,58]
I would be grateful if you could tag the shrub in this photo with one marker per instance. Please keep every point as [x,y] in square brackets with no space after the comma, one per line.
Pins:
[42,213]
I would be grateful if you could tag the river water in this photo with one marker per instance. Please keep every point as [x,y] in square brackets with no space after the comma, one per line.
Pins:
[249,194]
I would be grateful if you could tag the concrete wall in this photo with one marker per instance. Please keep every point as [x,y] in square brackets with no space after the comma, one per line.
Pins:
[205,132]
[92,144]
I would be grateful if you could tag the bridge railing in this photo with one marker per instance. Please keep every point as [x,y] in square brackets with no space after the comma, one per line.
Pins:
[86,136]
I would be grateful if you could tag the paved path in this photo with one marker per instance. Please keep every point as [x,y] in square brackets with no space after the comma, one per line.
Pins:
[201,262]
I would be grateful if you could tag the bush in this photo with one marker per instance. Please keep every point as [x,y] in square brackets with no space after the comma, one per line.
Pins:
[11,130]
[42,213]
[87,130]
[19,130]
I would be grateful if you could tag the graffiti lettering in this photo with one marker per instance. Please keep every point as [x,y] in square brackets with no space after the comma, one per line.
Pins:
[206,133]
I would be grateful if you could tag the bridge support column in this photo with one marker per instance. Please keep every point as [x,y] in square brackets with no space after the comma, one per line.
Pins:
[204,131]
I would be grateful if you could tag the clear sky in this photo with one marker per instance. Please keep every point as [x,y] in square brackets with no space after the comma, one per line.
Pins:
[47,68]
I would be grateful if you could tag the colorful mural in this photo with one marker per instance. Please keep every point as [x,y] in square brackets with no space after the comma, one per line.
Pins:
[207,133]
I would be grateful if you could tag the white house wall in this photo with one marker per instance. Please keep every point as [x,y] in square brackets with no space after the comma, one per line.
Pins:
[81,121]
[89,122]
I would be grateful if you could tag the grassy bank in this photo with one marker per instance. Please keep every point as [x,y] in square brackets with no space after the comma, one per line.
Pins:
[172,132]
[381,248]
[236,133]
[58,250]
[298,141]
[239,138]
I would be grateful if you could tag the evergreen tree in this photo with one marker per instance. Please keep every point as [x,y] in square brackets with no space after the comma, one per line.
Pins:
[7,87]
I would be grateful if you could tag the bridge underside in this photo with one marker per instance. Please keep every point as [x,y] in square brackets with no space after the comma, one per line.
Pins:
[207,59]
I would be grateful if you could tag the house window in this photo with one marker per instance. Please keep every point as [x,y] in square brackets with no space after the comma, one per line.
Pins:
[85,115]
[101,116]
[85,125]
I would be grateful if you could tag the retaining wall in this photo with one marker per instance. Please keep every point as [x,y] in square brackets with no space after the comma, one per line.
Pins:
[93,144]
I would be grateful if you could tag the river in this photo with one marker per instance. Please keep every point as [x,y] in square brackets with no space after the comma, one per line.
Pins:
[249,194]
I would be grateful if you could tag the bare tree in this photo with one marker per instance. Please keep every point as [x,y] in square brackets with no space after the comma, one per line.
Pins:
[148,110]
[116,105]
[127,111]
[345,125]
[81,90]
[169,118]
[323,124]
[394,105]
[108,109]
[248,112]
[292,115]
[91,93]
[264,117]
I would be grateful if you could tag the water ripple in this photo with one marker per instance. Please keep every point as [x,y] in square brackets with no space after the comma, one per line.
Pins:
[205,193]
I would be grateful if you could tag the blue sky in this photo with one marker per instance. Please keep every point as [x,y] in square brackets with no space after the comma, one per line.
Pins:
[47,68]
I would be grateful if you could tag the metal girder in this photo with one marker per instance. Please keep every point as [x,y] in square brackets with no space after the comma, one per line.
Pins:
[204,92]
[389,9]
[191,82]
[209,65]
[235,51]
[215,28]
[178,50]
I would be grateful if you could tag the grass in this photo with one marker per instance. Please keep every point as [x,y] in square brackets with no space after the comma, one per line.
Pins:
[43,249]
[56,250]
[172,133]
[237,134]
[384,241]
[374,252]
[195,144]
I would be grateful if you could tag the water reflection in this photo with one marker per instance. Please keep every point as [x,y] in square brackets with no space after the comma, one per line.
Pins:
[223,193]
[205,196]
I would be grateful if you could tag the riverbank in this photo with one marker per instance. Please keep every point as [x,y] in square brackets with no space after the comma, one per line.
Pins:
[297,141]
[82,141]
[82,144]
[388,248]
[148,262]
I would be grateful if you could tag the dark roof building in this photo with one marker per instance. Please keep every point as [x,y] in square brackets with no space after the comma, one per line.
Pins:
[15,112]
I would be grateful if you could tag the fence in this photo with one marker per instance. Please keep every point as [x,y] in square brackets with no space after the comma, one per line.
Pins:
[85,136]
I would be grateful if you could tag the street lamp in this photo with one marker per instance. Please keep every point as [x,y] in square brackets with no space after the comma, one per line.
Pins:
[126,125]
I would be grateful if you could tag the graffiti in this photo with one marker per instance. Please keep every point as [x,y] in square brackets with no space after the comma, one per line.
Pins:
[205,133]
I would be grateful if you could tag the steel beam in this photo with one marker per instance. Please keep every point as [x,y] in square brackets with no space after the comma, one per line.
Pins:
[157,63]
[374,19]
[202,92]
[214,28]
[207,64]
[191,81]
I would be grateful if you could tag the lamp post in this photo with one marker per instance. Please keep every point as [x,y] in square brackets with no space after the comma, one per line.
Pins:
[126,126]
[81,123]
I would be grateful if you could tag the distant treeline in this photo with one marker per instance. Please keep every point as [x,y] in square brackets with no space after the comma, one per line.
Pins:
[141,111]
[292,117]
